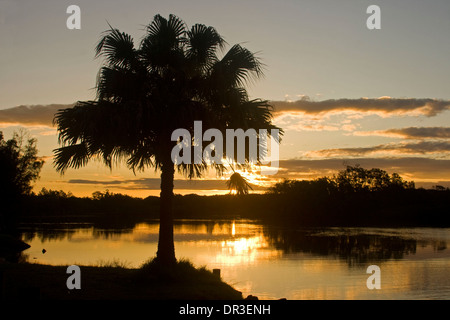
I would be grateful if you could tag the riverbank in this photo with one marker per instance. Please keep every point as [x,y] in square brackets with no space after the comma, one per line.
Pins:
[150,282]
[301,204]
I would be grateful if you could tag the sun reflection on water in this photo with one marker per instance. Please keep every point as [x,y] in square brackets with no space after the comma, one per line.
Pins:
[265,264]
[244,250]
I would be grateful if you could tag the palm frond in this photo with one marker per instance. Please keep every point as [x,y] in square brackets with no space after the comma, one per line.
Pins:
[202,45]
[162,45]
[117,84]
[192,170]
[72,156]
[172,28]
[237,67]
[117,48]
[141,158]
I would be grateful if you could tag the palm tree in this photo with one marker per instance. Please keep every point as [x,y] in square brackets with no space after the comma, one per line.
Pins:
[174,77]
[238,184]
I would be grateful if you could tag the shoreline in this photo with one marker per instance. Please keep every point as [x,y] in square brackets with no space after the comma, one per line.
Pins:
[45,282]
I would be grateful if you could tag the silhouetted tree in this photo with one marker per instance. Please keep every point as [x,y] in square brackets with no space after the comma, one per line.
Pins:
[440,188]
[19,167]
[352,179]
[55,194]
[238,184]
[356,178]
[354,196]
[323,185]
[172,79]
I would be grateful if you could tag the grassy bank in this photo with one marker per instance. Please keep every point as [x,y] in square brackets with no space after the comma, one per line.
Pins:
[150,282]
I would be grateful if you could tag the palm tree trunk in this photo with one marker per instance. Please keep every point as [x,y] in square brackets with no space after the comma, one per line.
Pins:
[166,247]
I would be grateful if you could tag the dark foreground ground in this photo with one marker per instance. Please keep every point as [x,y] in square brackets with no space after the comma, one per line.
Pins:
[150,282]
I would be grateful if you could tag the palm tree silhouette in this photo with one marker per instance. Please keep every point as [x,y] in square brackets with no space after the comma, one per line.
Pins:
[173,78]
[238,184]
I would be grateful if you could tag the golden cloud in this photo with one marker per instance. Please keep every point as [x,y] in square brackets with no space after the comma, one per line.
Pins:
[35,115]
[384,106]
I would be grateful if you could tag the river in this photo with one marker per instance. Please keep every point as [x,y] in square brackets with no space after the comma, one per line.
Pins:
[267,261]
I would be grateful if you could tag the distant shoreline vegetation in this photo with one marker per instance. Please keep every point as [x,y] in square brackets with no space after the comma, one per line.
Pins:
[354,197]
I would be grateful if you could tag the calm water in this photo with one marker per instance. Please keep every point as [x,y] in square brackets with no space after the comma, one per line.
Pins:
[270,262]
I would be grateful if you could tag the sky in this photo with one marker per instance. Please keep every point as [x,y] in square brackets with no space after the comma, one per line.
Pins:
[343,94]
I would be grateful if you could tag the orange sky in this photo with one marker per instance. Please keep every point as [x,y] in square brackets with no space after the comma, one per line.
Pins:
[342,93]
[311,148]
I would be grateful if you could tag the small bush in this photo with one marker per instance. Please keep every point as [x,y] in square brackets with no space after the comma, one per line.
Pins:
[182,271]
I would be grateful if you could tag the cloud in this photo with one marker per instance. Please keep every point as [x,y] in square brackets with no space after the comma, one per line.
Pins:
[36,115]
[426,172]
[298,122]
[84,181]
[410,133]
[422,147]
[42,115]
[384,106]
[155,184]
[47,158]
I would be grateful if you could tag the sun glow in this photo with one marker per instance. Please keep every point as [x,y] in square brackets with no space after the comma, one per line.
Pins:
[245,251]
[253,177]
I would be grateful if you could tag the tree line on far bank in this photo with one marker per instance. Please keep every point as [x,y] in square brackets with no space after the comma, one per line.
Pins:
[361,197]
[354,197]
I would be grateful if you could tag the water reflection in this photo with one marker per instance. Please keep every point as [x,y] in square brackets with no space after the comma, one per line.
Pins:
[355,248]
[243,238]
[267,261]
